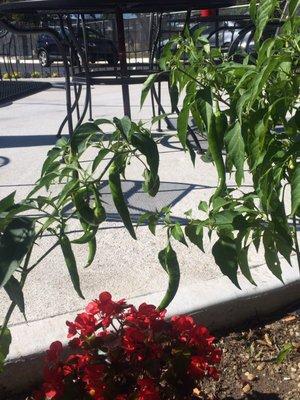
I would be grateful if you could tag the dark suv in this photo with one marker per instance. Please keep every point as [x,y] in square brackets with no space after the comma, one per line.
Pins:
[99,48]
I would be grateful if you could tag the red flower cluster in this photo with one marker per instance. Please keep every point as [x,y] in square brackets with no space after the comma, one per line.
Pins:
[124,353]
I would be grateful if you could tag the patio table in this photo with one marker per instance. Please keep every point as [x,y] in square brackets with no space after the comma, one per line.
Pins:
[64,8]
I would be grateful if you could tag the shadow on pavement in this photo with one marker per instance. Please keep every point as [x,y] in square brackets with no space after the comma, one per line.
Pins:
[4,161]
[138,202]
[27,141]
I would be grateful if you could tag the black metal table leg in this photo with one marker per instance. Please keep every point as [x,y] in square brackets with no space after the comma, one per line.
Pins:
[123,61]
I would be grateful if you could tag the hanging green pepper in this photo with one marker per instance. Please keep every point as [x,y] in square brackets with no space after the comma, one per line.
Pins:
[118,197]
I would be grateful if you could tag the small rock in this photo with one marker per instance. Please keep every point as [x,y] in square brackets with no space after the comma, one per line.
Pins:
[293,369]
[246,388]
[261,366]
[268,340]
[249,376]
[289,318]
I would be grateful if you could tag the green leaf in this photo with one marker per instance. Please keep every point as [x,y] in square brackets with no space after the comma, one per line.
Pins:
[203,206]
[52,155]
[7,202]
[68,190]
[80,199]
[15,243]
[271,254]
[118,198]
[178,234]
[252,10]
[146,145]
[147,86]
[225,254]
[244,265]
[293,6]
[195,234]
[124,125]
[224,217]
[5,342]
[265,10]
[295,187]
[203,102]
[45,181]
[174,95]
[15,293]
[71,263]
[169,262]
[236,150]
[82,135]
[182,121]
[284,352]
[102,121]
[242,256]
[100,156]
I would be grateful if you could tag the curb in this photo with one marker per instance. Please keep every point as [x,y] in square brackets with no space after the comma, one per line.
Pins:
[216,303]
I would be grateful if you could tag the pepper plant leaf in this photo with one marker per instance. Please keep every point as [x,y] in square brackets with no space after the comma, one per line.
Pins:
[71,263]
[236,150]
[296,190]
[225,254]
[15,293]
[5,342]
[15,243]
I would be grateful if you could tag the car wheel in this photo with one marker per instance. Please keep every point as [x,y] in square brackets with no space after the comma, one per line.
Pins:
[112,59]
[44,58]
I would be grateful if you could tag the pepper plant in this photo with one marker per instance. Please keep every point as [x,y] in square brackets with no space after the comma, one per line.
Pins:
[248,111]
[80,192]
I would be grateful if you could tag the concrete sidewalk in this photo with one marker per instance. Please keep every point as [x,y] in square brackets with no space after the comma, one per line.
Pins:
[124,267]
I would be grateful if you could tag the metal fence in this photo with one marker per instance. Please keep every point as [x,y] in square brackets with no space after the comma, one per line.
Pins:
[19,54]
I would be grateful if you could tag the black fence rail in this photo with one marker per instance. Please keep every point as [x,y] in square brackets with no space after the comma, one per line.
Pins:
[22,56]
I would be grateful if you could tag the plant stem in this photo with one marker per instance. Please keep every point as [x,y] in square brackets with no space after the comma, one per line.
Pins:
[42,257]
[25,273]
[22,283]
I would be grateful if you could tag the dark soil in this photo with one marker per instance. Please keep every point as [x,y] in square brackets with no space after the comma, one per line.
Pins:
[251,368]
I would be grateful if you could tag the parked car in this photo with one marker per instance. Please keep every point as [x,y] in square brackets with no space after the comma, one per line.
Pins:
[98,47]
[225,35]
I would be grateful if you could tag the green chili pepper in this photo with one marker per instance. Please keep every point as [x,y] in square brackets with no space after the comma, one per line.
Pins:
[169,262]
[118,198]
[215,139]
